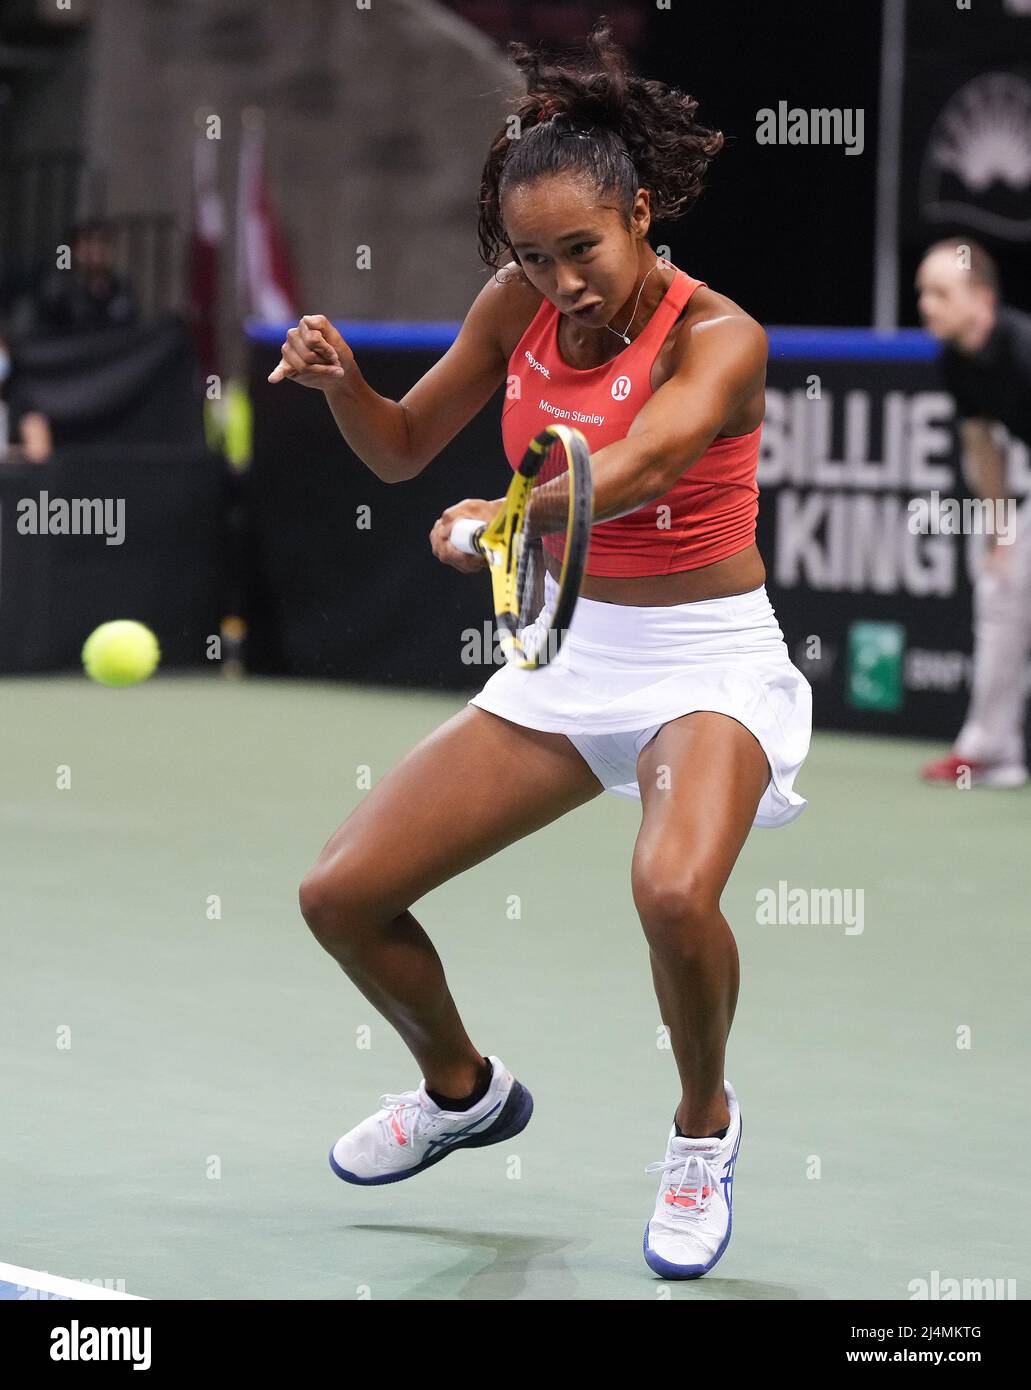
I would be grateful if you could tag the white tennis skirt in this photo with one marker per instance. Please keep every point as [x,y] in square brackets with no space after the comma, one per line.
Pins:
[624,670]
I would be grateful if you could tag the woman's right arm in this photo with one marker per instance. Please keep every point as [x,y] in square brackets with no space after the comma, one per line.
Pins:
[397,439]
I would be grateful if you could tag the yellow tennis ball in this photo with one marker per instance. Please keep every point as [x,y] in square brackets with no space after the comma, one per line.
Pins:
[122,652]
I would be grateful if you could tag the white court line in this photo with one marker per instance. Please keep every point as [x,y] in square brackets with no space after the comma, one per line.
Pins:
[53,1283]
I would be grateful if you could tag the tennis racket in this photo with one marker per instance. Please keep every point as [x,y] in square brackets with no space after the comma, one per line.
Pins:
[547,513]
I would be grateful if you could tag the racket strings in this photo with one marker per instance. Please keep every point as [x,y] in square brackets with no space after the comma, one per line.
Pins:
[544,529]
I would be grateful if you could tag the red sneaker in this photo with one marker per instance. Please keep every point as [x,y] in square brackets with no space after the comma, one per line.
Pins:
[949,769]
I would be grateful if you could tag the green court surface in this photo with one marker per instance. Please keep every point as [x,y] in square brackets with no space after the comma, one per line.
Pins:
[175,1080]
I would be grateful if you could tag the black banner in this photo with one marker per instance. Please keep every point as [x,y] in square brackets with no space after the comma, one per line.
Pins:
[114,1340]
[869,549]
[966,155]
[96,534]
[343,579]
[111,386]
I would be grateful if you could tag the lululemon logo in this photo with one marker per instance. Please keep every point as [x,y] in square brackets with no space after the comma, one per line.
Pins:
[621,388]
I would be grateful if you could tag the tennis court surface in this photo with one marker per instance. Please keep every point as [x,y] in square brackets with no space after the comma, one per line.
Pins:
[180,1053]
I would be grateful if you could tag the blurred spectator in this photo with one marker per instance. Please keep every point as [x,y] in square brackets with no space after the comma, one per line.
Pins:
[90,293]
[27,438]
[986,365]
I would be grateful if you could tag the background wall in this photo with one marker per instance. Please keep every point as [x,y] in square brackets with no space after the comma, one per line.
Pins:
[330,134]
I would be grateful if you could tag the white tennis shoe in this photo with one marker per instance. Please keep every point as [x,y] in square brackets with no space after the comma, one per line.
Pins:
[410,1132]
[690,1227]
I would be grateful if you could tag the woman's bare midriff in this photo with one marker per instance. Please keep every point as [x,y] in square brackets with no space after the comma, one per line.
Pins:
[737,574]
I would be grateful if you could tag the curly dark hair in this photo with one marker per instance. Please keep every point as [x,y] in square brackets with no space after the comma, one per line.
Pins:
[645,136]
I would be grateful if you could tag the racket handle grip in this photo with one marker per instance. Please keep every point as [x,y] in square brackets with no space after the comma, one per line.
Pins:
[465,534]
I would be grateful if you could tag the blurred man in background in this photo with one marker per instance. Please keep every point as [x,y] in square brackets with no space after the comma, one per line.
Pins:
[25,436]
[90,293]
[987,368]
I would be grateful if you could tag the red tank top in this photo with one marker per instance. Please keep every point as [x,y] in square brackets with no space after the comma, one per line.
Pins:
[713,505]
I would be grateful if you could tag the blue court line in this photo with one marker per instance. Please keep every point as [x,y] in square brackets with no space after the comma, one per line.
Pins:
[26,1285]
[786,343]
[852,344]
[413,335]
[25,1292]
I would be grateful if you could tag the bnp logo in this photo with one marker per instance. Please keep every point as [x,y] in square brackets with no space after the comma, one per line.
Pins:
[875,652]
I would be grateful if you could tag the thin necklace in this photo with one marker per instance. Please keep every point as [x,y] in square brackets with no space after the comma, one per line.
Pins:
[624,334]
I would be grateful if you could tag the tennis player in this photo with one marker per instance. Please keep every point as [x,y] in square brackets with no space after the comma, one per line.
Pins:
[674,684]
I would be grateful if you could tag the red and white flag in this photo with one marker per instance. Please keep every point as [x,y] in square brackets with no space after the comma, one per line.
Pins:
[207,232]
[265,279]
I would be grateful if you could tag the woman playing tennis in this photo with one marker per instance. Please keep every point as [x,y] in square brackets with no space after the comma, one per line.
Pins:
[674,683]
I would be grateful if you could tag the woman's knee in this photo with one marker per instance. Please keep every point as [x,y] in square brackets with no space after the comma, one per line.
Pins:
[335,900]
[317,900]
[677,907]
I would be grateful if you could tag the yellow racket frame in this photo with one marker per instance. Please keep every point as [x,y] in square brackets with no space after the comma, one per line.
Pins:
[501,541]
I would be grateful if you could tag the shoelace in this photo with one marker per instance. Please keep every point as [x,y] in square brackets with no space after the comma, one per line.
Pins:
[397,1105]
[704,1186]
